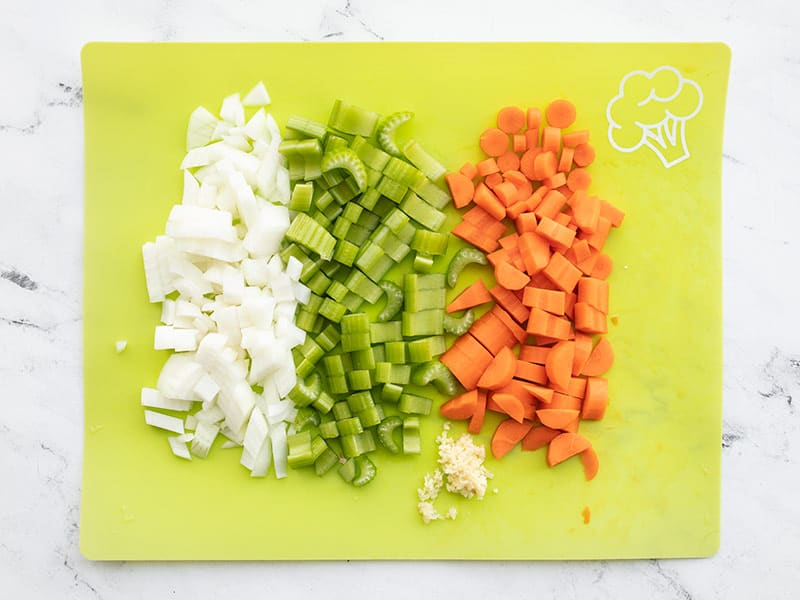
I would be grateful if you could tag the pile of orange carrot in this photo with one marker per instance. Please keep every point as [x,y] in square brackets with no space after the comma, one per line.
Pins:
[538,354]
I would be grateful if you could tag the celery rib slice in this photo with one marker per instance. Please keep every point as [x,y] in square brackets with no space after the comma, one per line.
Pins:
[386,431]
[345,158]
[394,300]
[436,373]
[387,129]
[422,159]
[458,325]
[460,260]
[366,471]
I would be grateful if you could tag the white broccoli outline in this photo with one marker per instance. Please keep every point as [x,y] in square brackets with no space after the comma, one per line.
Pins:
[666,137]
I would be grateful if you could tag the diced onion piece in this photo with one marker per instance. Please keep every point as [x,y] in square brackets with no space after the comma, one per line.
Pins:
[232,110]
[280,449]
[120,345]
[258,96]
[204,437]
[201,128]
[155,399]
[162,421]
[179,448]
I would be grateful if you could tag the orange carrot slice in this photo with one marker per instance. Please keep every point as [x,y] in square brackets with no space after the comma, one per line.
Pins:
[595,399]
[476,422]
[591,463]
[500,371]
[539,437]
[460,407]
[461,188]
[511,405]
[510,277]
[600,360]
[566,446]
[474,295]
[560,113]
[494,142]
[557,418]
[507,435]
[510,119]
[559,365]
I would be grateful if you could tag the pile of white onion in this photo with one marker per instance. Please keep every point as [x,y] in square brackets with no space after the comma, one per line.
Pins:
[231,327]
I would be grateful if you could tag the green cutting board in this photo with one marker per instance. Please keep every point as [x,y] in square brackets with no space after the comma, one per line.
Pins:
[657,493]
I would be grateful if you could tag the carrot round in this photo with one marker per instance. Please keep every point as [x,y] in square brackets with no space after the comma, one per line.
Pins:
[510,119]
[511,405]
[474,295]
[507,435]
[565,160]
[583,348]
[560,113]
[534,117]
[532,138]
[500,371]
[566,446]
[526,162]
[510,277]
[494,142]
[564,401]
[519,143]
[584,154]
[487,167]
[461,188]
[557,418]
[579,179]
[508,162]
[493,179]
[505,191]
[460,407]
[595,399]
[574,138]
[600,360]
[591,463]
[551,139]
[558,365]
[539,437]
[476,422]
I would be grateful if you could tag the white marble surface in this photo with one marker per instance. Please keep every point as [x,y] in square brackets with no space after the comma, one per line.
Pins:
[40,295]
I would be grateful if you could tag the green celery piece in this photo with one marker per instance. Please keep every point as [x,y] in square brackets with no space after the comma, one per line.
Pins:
[369,198]
[391,392]
[306,319]
[386,372]
[311,349]
[363,359]
[348,470]
[355,323]
[422,212]
[396,220]
[359,379]
[366,471]
[423,263]
[318,447]
[307,127]
[372,157]
[394,247]
[307,418]
[345,191]
[313,168]
[332,178]
[323,403]
[425,322]
[419,300]
[372,416]
[341,227]
[304,367]
[329,337]
[415,282]
[406,233]
[421,158]
[387,129]
[383,207]
[352,212]
[386,431]
[297,167]
[301,197]
[324,200]
[373,177]
[300,148]
[306,232]
[345,158]
[329,430]
[432,194]
[326,461]
[345,253]
[394,300]
[360,401]
[297,252]
[337,291]
[411,438]
[357,235]
[435,372]
[352,302]
[368,220]
[413,404]
[355,341]
[460,260]
[349,426]
[319,283]
[341,410]
[351,119]
[305,392]
[333,142]
[391,189]
[429,242]
[378,354]
[332,310]
[404,173]
[389,331]
[300,450]
[337,384]
[395,352]
[459,325]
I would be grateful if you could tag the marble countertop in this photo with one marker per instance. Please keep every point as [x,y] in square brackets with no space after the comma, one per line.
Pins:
[40,295]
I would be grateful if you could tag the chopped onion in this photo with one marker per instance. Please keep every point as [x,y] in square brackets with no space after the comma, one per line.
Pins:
[258,96]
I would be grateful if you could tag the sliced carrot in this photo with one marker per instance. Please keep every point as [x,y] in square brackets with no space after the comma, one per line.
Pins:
[500,371]
[565,160]
[544,165]
[542,394]
[574,138]
[527,161]
[566,446]
[460,407]
[594,292]
[516,177]
[510,119]
[541,323]
[587,266]
[589,319]
[602,266]
[591,463]
[540,281]
[485,198]
[509,241]
[550,300]
[518,332]
[534,249]
[582,251]
[612,213]
[579,179]
[597,239]
[466,359]
[530,372]
[510,405]
[505,191]
[510,303]
[508,162]
[573,426]
[561,400]
[559,365]
[477,237]
[586,212]
[600,360]
[584,154]
[551,139]
[510,277]
[532,139]
[477,216]
[461,188]
[519,143]
[534,118]
[562,272]
[492,334]
[539,437]
[557,418]
[555,232]
[595,400]
[507,435]
[494,142]
[468,170]
[560,113]
[475,295]
[526,223]
[493,179]
[569,304]
[534,354]
[577,387]
[551,205]
[476,422]
[487,167]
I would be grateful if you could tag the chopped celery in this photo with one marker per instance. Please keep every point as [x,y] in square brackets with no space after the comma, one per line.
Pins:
[310,234]
[371,416]
[386,372]
[328,338]
[345,253]
[332,142]
[423,263]
[435,372]
[351,119]
[341,410]
[347,470]
[336,290]
[357,444]
[369,198]
[300,148]
[334,364]
[352,212]
[366,471]
[360,401]
[395,352]
[354,323]
[411,438]
[319,283]
[306,127]
[404,173]
[378,354]
[368,220]
[461,259]
[391,189]
[349,426]
[386,431]
[363,286]
[372,157]
[363,359]
[301,197]
[325,462]
[359,379]
[390,331]
[421,158]
[424,322]
[426,349]
[340,228]
[387,128]
[416,299]
[323,403]
[422,212]
[391,392]
[345,158]
[307,418]
[332,310]
[329,430]
[304,393]
[432,194]
[300,450]
[394,300]
[429,242]
[338,384]
[459,326]
[411,403]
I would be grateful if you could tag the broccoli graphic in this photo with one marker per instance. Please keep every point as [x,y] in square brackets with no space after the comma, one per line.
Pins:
[651,110]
